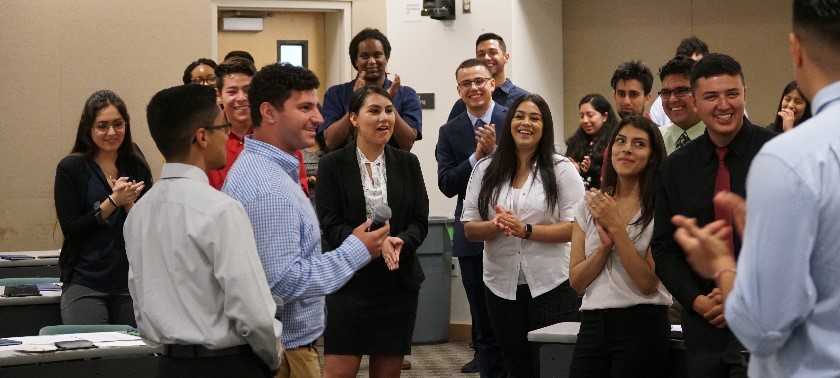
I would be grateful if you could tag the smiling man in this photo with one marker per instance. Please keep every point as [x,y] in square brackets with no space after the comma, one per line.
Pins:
[491,48]
[284,108]
[716,161]
[631,82]
[369,52]
[677,101]
[462,142]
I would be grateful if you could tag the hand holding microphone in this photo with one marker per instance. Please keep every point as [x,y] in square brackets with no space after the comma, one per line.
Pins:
[373,232]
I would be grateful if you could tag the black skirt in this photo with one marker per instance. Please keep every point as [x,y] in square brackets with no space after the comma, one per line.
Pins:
[373,314]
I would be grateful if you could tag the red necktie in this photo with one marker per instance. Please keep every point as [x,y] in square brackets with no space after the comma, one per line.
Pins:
[722,184]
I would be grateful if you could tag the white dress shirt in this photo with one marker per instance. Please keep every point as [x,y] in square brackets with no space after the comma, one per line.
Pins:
[546,265]
[194,273]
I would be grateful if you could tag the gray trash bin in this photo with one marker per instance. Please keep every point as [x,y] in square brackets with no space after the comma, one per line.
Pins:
[435,254]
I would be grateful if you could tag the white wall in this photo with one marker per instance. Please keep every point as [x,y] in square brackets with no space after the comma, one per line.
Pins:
[425,54]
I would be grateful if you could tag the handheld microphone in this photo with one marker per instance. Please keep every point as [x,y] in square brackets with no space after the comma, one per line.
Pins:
[381,215]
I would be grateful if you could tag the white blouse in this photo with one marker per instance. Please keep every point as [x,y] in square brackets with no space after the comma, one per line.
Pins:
[545,265]
[613,288]
[375,184]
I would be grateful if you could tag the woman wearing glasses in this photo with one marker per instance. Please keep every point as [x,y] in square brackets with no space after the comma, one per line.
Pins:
[374,313]
[95,188]
[520,202]
[202,72]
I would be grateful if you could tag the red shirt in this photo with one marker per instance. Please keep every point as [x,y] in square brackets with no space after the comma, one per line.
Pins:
[234,146]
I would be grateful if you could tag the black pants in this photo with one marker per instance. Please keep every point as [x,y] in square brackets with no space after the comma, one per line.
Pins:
[622,342]
[709,351]
[490,363]
[512,320]
[241,365]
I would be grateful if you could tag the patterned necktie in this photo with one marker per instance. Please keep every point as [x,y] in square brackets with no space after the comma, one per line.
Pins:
[722,184]
[682,140]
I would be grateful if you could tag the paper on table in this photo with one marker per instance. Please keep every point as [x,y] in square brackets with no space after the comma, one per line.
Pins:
[120,343]
[104,337]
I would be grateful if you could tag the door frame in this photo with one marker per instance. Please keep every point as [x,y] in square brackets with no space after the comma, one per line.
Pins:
[336,34]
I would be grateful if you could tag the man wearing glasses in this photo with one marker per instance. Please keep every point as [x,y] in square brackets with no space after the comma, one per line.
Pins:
[677,101]
[198,285]
[491,48]
[462,142]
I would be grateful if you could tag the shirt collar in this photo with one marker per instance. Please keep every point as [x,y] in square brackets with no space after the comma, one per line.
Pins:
[740,144]
[238,138]
[385,85]
[825,96]
[486,117]
[506,86]
[180,170]
[287,162]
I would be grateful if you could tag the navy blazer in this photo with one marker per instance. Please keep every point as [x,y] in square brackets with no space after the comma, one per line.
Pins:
[456,143]
[341,203]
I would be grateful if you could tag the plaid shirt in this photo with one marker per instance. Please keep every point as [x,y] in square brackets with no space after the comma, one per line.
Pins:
[264,180]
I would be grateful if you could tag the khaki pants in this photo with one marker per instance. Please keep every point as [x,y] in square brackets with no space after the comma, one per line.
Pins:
[300,363]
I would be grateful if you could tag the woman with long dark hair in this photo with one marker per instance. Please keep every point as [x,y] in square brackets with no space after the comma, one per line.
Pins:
[520,202]
[374,313]
[95,188]
[793,109]
[624,327]
[587,145]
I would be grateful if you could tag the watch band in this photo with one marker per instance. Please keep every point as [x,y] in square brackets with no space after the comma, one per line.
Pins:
[528,230]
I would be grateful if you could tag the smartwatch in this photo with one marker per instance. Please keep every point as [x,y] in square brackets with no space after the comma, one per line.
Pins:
[528,230]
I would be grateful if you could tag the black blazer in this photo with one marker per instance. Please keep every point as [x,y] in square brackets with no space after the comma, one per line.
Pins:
[75,215]
[341,203]
[456,143]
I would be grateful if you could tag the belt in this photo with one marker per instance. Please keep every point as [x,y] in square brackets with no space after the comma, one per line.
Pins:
[198,351]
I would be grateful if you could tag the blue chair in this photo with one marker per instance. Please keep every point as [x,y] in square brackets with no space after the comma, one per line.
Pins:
[28,281]
[82,328]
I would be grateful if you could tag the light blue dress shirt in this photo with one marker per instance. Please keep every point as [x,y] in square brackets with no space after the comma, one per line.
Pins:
[265,180]
[785,307]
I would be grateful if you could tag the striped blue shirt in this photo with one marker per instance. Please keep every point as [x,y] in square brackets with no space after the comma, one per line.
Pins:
[264,180]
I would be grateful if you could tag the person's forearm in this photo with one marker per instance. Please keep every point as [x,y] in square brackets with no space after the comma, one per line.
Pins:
[552,233]
[404,134]
[336,135]
[637,267]
[480,230]
[581,274]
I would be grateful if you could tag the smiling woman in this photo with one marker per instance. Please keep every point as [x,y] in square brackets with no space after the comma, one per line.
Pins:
[95,188]
[611,262]
[519,201]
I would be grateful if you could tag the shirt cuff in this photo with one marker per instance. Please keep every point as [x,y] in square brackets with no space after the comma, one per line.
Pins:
[473,161]
[357,252]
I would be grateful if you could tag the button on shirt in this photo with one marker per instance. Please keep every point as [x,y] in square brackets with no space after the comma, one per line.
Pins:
[264,180]
[194,275]
[785,306]
[546,265]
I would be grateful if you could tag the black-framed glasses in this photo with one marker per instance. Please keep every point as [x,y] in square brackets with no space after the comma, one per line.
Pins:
[479,83]
[102,127]
[680,92]
[210,80]
[225,126]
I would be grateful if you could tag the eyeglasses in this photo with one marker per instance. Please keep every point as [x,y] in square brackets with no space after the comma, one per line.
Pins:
[479,83]
[102,127]
[680,92]
[204,81]
[225,127]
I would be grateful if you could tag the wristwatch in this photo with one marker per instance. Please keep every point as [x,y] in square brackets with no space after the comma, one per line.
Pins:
[528,230]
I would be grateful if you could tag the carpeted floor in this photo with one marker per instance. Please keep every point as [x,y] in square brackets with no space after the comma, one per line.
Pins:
[429,361]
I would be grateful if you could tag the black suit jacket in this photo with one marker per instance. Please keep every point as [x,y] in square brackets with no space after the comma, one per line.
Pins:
[456,143]
[341,204]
